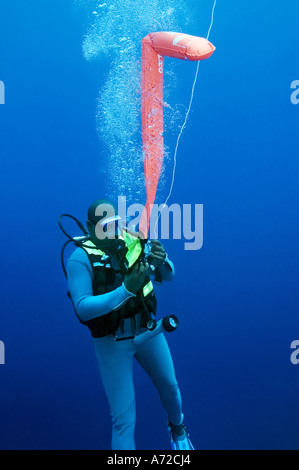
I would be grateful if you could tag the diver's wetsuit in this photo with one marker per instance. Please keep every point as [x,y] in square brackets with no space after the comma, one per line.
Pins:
[115,357]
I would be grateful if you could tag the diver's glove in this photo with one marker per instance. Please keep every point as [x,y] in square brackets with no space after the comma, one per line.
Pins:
[134,279]
[157,253]
[179,437]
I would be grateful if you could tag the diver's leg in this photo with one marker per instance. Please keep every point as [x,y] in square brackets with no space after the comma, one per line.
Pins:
[155,358]
[115,364]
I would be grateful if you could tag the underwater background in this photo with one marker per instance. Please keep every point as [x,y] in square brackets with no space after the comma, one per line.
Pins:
[67,138]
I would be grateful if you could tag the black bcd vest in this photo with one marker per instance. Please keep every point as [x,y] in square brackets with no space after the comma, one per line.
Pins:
[107,279]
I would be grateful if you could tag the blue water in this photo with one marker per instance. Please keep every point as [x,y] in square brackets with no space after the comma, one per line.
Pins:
[237,298]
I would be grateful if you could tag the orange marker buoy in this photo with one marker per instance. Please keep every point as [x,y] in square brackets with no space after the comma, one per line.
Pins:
[154,47]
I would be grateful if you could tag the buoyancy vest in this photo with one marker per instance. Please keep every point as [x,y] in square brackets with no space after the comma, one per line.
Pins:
[107,279]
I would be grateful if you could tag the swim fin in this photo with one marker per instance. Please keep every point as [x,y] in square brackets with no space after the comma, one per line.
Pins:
[179,437]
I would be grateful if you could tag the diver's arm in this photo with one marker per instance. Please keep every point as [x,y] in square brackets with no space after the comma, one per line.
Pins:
[165,271]
[87,305]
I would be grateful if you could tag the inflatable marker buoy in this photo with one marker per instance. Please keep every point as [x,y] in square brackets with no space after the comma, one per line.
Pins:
[154,47]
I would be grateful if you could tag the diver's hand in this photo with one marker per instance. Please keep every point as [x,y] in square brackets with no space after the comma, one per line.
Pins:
[136,277]
[158,253]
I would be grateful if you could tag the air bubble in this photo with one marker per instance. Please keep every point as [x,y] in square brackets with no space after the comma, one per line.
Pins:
[116,32]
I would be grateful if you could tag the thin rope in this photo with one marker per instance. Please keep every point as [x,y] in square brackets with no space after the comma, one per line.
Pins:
[184,125]
[212,19]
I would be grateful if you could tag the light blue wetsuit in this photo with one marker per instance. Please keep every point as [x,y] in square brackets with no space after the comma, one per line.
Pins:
[115,358]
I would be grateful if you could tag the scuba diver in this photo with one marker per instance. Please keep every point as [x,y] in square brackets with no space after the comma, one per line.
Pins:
[109,277]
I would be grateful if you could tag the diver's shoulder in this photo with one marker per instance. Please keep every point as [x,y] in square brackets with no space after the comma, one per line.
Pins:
[79,255]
